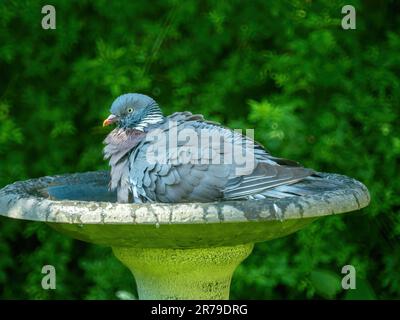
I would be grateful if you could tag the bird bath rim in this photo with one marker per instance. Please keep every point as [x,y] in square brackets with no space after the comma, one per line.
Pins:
[31,200]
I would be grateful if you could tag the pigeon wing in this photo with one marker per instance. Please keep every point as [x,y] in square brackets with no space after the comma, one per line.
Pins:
[185,175]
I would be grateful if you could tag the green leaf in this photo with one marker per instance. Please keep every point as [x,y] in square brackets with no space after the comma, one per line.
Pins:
[325,283]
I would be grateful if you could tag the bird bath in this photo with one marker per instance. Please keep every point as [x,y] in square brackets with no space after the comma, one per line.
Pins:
[175,251]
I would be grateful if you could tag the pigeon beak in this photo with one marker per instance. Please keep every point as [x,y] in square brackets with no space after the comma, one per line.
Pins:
[110,120]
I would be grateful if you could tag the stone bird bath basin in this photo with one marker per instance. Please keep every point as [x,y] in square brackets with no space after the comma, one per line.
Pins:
[175,251]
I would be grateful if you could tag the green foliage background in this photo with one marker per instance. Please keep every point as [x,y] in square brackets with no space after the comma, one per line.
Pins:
[314,92]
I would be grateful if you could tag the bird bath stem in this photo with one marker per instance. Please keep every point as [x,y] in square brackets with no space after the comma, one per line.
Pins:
[175,251]
[198,273]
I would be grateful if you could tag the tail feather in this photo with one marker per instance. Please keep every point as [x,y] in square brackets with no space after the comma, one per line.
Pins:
[308,186]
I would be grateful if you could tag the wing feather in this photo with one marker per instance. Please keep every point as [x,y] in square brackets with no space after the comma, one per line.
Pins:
[180,180]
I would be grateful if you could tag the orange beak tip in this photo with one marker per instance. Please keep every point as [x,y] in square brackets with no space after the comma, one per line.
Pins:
[110,120]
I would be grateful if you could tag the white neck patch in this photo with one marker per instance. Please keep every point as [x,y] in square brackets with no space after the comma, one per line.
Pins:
[152,118]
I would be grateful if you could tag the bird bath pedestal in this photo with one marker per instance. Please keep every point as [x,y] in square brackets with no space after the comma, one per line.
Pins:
[175,251]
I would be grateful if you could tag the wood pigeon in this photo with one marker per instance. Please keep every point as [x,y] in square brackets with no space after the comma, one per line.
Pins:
[184,158]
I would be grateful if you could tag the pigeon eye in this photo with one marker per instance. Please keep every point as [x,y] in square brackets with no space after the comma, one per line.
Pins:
[130,110]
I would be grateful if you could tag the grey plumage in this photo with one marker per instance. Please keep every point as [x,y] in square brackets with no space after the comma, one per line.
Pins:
[189,173]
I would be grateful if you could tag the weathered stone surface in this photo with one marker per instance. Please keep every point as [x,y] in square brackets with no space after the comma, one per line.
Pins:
[83,198]
[170,274]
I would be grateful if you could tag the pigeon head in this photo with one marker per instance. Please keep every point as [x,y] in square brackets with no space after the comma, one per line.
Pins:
[134,111]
